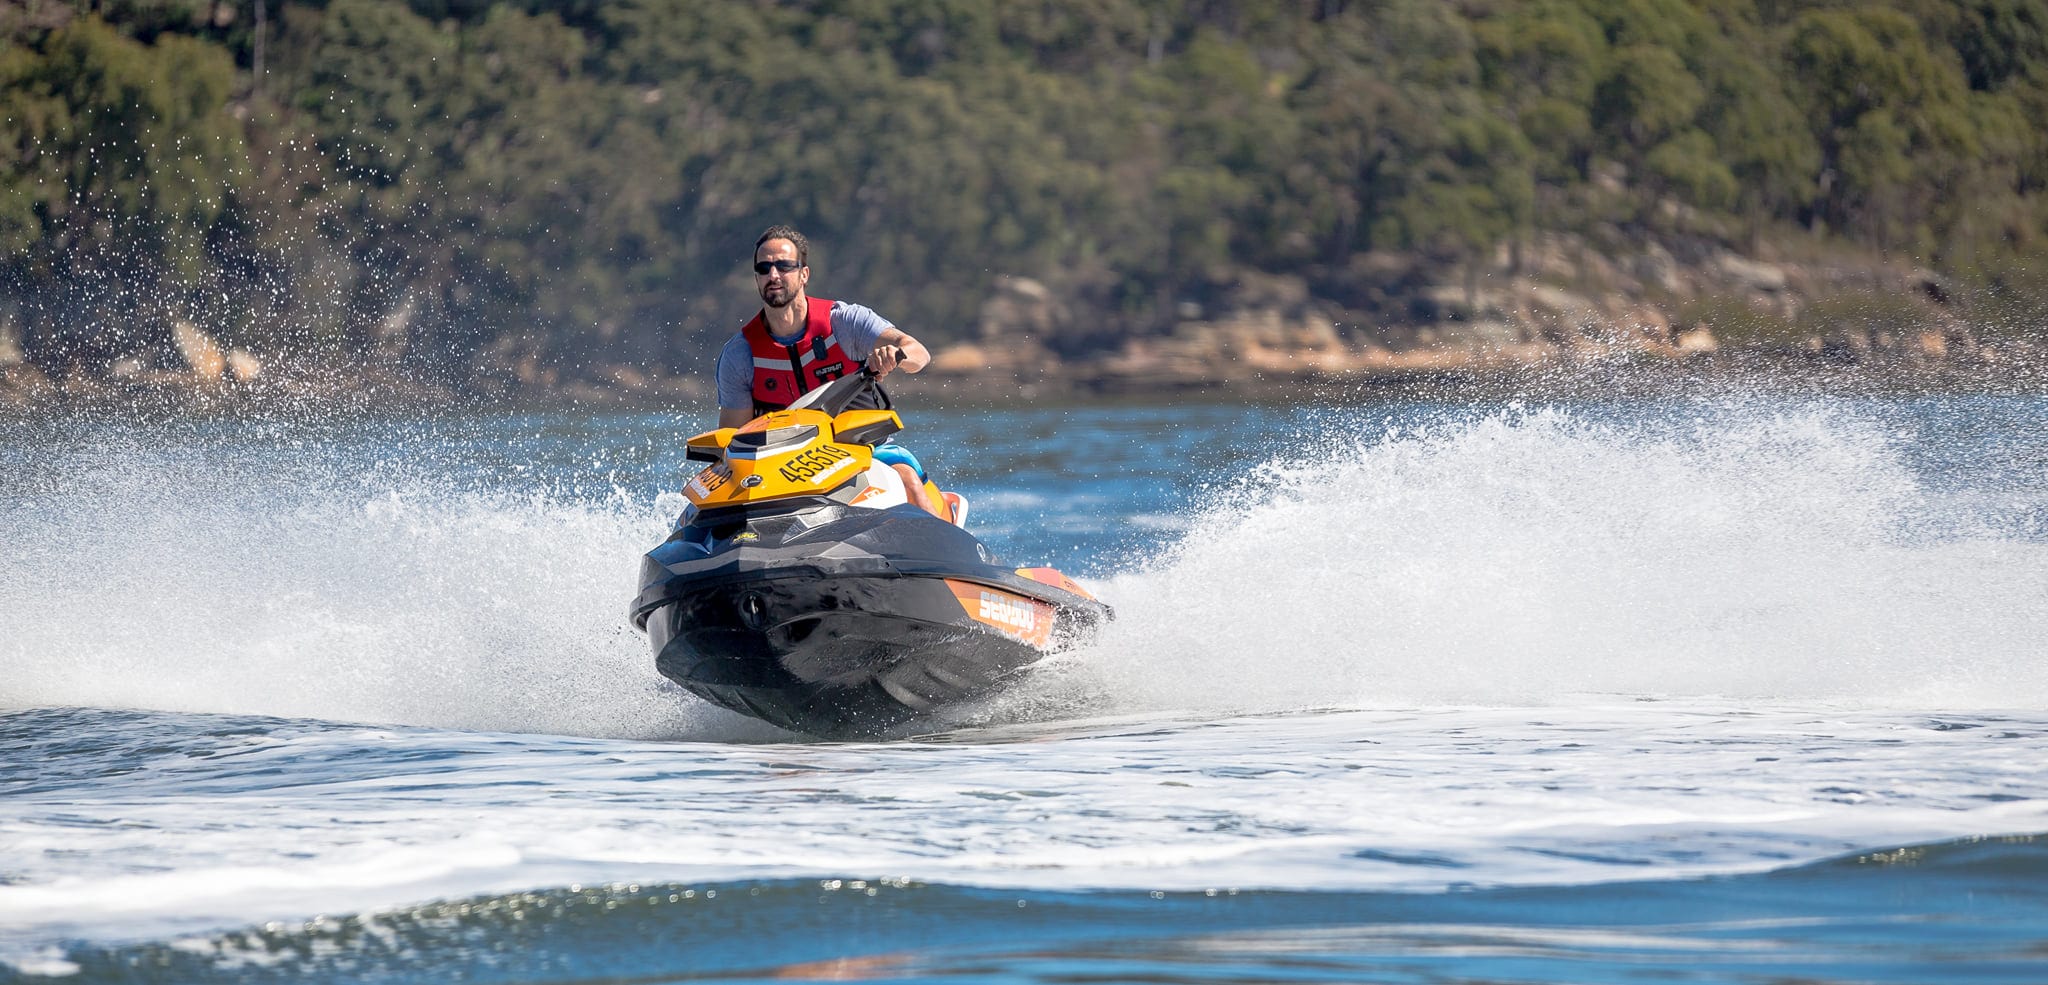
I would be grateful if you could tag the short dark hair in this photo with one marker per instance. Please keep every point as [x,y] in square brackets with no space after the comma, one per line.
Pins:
[796,239]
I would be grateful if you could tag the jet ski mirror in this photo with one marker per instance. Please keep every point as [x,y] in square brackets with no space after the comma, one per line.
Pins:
[865,427]
[709,446]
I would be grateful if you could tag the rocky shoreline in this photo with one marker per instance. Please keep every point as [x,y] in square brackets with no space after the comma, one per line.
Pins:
[1525,372]
[1557,317]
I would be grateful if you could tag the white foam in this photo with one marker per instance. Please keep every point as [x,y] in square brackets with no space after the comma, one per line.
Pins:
[195,580]
[1512,558]
[1534,557]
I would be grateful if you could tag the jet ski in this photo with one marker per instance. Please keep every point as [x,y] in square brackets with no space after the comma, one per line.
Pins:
[812,584]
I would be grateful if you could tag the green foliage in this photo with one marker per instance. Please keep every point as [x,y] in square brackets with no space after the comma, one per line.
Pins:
[1547,61]
[1755,129]
[106,132]
[1886,113]
[1997,41]
[1687,165]
[458,183]
[116,162]
[1647,96]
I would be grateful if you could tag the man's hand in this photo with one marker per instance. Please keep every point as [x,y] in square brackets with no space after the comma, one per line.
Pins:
[895,350]
[884,359]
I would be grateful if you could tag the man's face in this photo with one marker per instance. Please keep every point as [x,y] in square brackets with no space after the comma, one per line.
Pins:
[779,287]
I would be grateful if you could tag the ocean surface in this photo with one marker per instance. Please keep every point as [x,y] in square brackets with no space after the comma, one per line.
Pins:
[1731,688]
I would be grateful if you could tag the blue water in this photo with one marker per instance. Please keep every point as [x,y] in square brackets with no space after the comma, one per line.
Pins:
[1730,689]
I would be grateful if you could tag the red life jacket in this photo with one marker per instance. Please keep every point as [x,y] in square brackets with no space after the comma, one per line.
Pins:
[783,373]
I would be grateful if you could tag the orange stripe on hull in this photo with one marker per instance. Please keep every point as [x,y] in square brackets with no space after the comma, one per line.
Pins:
[1053,577]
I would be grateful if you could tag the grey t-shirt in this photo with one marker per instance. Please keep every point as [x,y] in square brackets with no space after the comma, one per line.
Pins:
[856,326]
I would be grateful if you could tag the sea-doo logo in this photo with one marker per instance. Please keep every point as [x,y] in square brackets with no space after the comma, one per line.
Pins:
[1018,617]
[1009,612]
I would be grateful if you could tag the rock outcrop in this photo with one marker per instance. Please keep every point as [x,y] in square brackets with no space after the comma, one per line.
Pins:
[1554,301]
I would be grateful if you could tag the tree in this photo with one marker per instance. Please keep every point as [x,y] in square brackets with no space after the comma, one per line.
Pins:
[1887,115]
[119,159]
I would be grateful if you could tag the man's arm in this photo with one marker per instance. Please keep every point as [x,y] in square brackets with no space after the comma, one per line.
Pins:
[735,375]
[896,348]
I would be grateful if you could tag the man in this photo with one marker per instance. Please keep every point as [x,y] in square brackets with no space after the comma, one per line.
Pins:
[797,343]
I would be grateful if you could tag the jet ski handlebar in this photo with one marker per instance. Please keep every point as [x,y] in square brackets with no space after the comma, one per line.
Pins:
[836,396]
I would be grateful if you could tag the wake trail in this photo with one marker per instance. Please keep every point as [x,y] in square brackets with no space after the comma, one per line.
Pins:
[1539,557]
[316,585]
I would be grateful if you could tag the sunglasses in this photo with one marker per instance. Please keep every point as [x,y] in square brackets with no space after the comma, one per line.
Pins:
[762,267]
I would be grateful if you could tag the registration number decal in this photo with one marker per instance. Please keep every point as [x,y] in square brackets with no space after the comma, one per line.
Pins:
[816,464]
[710,481]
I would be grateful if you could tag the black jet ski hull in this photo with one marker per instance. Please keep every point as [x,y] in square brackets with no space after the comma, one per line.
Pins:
[832,656]
[815,627]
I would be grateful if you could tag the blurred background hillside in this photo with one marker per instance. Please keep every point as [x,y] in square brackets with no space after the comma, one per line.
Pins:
[526,197]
